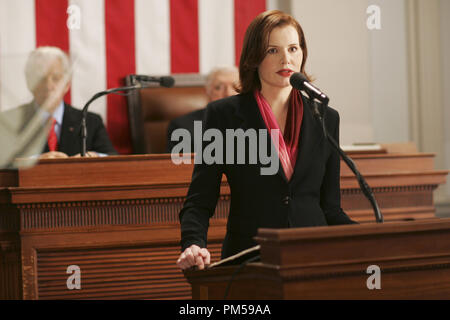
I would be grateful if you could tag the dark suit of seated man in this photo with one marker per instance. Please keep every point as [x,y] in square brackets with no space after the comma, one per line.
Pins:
[221,83]
[44,70]
[68,120]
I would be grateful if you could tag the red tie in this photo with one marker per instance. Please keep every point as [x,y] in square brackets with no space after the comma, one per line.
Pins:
[52,138]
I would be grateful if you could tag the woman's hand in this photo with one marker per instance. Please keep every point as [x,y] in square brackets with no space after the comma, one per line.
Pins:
[194,256]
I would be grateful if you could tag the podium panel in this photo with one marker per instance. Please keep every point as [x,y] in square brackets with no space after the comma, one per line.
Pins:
[397,260]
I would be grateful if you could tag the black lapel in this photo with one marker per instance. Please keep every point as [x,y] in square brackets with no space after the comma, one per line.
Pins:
[248,112]
[310,137]
[69,131]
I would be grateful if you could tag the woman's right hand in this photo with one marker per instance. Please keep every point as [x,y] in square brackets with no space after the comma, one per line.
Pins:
[194,256]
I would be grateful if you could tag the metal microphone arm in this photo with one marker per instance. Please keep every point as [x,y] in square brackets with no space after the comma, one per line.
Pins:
[367,191]
[83,132]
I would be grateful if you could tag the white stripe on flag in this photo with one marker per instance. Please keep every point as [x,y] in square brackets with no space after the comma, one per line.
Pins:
[17,40]
[87,49]
[152,29]
[216,27]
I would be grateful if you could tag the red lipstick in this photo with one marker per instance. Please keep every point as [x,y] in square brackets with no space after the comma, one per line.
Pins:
[285,72]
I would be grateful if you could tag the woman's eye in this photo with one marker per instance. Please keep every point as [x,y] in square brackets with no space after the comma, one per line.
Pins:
[294,49]
[272,50]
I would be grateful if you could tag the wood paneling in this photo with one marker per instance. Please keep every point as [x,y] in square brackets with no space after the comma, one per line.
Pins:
[145,272]
[118,217]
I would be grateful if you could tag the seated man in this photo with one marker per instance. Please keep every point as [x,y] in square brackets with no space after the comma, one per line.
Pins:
[44,70]
[24,131]
[221,83]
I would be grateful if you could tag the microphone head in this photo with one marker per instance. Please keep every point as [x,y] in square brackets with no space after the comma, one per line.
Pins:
[296,80]
[167,82]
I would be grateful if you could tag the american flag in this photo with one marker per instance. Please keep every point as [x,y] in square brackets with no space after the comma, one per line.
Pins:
[109,39]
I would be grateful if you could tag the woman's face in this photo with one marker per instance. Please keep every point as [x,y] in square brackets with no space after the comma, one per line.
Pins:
[283,57]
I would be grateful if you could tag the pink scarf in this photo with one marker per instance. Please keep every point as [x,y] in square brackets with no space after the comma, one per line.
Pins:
[288,143]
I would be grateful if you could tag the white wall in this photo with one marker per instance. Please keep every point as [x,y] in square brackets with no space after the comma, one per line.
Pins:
[389,85]
[445,47]
[389,74]
[338,58]
[363,71]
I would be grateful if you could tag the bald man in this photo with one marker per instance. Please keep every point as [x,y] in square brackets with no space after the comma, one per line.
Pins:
[221,83]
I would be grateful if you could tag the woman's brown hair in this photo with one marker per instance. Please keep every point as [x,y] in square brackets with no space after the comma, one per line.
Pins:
[256,42]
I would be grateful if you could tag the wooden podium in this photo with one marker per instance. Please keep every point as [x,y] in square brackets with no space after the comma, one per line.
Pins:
[332,263]
[117,219]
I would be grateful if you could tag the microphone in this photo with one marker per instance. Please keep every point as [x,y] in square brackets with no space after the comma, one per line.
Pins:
[166,81]
[299,82]
[83,132]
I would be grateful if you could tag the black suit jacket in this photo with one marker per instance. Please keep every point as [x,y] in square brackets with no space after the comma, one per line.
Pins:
[310,198]
[184,122]
[70,141]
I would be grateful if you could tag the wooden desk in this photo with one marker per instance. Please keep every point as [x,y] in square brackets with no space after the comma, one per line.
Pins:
[338,262]
[117,219]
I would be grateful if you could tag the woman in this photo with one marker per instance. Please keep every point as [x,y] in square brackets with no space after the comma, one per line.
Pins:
[306,189]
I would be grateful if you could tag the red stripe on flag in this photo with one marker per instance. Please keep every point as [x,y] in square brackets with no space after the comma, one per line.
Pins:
[120,61]
[184,44]
[51,27]
[244,12]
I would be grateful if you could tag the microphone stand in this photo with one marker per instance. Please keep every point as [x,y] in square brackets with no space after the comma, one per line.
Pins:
[365,188]
[83,132]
